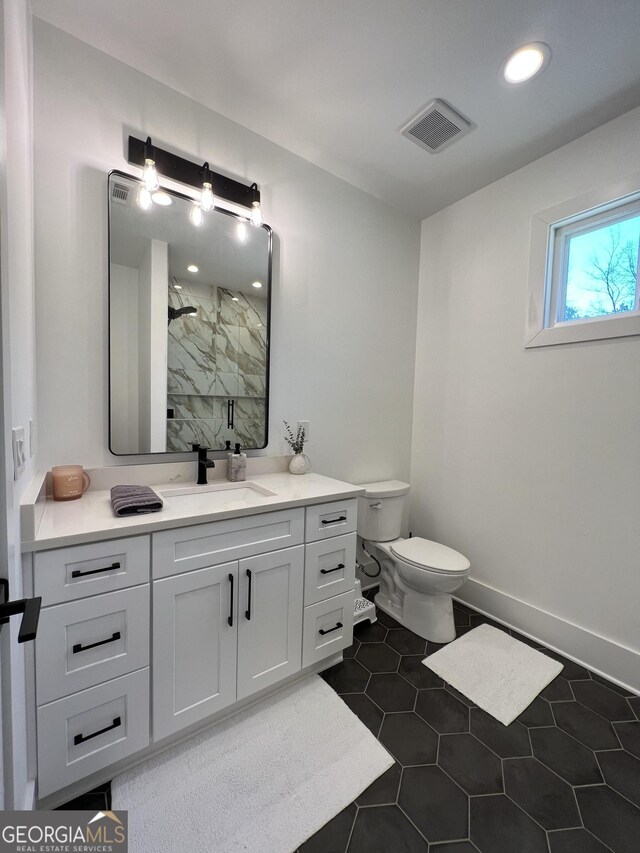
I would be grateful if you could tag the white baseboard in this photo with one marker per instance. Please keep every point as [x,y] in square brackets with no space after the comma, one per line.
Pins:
[612,660]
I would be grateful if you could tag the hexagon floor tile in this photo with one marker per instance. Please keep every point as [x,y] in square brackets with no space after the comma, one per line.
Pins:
[464,783]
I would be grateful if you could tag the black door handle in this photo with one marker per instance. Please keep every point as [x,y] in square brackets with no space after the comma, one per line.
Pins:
[29,607]
[328,571]
[82,738]
[248,610]
[76,573]
[329,630]
[78,647]
[230,616]
[333,520]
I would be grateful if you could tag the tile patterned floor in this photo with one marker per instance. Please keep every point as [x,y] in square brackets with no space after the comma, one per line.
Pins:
[563,778]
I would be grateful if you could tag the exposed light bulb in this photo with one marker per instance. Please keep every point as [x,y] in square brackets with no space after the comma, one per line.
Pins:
[256,213]
[150,176]
[195,214]
[144,198]
[207,201]
[241,231]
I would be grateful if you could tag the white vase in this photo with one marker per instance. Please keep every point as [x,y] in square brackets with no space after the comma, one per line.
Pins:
[300,464]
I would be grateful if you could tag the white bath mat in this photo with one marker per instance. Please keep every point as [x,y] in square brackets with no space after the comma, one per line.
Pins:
[501,675]
[264,780]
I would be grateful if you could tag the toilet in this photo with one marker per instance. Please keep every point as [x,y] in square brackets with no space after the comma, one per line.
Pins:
[417,576]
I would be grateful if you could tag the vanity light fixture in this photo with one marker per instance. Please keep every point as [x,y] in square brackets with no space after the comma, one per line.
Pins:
[526,62]
[256,213]
[149,173]
[192,268]
[194,175]
[207,201]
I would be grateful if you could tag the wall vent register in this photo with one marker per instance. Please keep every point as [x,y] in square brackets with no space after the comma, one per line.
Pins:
[436,127]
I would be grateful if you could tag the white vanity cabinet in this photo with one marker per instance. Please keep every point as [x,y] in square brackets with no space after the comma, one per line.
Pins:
[223,632]
[209,614]
[91,658]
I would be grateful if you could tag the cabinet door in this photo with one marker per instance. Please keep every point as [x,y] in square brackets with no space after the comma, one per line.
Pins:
[269,619]
[195,632]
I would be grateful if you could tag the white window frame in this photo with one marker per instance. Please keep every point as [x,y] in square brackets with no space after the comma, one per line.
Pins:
[547,266]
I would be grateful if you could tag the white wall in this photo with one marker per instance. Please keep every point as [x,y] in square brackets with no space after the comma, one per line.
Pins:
[528,461]
[18,382]
[345,269]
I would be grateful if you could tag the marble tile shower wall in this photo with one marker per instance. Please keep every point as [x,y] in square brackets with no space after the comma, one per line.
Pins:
[214,356]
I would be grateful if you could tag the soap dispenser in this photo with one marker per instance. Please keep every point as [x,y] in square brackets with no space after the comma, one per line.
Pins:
[237,467]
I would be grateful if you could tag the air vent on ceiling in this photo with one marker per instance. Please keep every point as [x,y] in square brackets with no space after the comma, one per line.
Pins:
[436,126]
[120,193]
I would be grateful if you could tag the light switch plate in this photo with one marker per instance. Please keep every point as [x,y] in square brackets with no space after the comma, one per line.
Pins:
[17,443]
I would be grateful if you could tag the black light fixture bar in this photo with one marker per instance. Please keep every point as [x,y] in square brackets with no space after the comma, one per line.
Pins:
[186,172]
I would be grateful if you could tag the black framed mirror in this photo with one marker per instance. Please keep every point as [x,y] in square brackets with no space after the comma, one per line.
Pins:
[189,323]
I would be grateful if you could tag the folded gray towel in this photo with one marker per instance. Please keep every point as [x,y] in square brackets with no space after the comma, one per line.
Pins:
[133,500]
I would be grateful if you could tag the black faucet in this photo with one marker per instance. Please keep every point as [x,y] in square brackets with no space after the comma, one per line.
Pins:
[203,463]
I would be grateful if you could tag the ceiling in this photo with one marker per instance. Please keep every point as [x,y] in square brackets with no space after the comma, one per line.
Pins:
[333,81]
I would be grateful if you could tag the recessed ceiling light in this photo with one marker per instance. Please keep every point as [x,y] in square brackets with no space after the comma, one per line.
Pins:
[257,284]
[234,298]
[526,62]
[192,268]
[177,287]
[163,199]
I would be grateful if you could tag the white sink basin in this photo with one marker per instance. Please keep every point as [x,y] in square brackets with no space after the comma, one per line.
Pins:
[216,495]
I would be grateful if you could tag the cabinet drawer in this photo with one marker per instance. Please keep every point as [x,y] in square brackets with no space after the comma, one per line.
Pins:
[69,573]
[204,545]
[332,519]
[88,731]
[329,567]
[328,628]
[86,642]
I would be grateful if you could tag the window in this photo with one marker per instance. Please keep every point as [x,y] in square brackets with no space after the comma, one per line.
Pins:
[583,282]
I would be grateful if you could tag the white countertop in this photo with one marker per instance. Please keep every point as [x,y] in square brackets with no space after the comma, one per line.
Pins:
[91,517]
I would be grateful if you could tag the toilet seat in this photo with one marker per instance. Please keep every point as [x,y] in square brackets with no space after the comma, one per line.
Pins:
[430,556]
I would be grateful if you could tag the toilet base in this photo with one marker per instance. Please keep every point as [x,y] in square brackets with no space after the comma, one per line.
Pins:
[428,616]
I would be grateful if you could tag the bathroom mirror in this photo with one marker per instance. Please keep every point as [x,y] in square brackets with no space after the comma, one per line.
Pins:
[189,308]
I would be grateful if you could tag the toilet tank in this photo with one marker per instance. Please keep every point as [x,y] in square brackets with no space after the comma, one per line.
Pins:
[380,510]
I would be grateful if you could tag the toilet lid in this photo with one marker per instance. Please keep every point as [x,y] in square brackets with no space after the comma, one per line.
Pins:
[430,555]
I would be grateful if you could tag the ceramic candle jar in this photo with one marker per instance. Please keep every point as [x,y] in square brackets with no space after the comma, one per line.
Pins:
[69,482]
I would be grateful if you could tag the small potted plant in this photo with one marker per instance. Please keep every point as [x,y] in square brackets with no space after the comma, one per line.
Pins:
[300,462]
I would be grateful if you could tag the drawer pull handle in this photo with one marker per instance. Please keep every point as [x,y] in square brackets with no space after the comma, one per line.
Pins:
[329,630]
[76,573]
[78,739]
[328,571]
[247,612]
[78,647]
[334,520]
[230,616]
